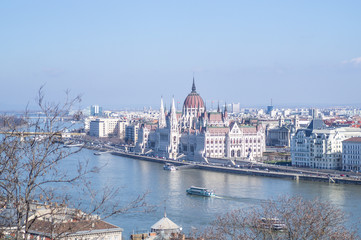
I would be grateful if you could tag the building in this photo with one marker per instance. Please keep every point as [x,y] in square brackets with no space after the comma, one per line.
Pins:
[81,229]
[131,133]
[236,107]
[270,109]
[197,134]
[162,229]
[95,110]
[319,146]
[280,136]
[108,127]
[165,227]
[351,154]
[53,221]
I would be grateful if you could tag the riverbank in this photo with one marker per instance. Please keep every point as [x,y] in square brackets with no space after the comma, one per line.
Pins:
[289,174]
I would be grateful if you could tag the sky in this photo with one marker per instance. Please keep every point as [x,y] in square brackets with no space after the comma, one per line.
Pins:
[127,54]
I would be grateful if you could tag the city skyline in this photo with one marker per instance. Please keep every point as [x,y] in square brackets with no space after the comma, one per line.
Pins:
[123,54]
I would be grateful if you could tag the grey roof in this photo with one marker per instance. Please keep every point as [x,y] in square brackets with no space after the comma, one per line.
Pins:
[317,123]
[307,131]
[164,224]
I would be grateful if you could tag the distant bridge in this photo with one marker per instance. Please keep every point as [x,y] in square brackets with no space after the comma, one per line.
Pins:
[60,134]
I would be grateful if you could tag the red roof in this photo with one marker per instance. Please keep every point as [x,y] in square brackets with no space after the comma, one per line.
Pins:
[45,227]
[218,130]
[215,117]
[353,139]
[248,129]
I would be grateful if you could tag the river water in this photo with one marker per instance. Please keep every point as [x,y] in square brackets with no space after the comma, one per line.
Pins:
[166,188]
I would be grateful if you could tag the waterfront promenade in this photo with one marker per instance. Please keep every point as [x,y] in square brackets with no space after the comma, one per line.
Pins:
[256,170]
[250,168]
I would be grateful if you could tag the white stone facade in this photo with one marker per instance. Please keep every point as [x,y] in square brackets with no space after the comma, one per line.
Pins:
[351,154]
[198,135]
[107,127]
[320,148]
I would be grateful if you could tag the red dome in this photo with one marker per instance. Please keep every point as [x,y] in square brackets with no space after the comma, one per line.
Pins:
[193,100]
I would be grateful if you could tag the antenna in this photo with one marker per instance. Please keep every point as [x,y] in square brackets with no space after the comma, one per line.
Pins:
[271,102]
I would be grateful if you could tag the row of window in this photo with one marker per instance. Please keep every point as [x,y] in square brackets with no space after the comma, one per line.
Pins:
[234,141]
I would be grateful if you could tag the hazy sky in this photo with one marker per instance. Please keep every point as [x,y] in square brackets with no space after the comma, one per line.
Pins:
[129,53]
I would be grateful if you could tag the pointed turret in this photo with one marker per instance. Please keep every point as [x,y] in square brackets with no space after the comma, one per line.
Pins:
[161,121]
[173,133]
[218,109]
[173,115]
[193,86]
[225,111]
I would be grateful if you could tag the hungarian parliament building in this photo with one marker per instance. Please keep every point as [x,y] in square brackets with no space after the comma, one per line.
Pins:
[198,135]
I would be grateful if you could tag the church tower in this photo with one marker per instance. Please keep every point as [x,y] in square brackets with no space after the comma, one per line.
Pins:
[173,133]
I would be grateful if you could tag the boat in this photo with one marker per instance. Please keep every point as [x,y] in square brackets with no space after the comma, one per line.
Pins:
[169,167]
[97,153]
[273,224]
[73,145]
[200,191]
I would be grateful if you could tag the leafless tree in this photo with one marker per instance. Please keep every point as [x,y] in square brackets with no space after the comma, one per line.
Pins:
[284,218]
[30,172]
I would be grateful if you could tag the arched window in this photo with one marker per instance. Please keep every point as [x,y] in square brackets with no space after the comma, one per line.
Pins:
[232,153]
[238,153]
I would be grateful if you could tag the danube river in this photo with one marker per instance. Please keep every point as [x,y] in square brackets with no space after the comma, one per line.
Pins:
[135,177]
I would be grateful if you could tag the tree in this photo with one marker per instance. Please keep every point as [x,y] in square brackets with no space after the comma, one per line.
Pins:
[283,218]
[30,173]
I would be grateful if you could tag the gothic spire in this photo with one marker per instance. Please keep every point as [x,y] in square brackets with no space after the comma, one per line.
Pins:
[173,116]
[193,86]
[225,111]
[172,109]
[161,120]
[218,109]
[161,104]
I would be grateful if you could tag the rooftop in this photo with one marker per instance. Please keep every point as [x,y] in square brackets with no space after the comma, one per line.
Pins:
[165,224]
[353,139]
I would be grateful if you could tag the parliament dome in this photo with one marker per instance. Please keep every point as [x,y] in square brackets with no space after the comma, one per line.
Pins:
[193,100]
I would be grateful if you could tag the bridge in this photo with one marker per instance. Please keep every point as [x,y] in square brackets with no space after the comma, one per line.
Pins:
[60,134]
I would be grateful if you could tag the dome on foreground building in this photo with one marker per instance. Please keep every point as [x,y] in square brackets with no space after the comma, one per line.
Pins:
[193,100]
